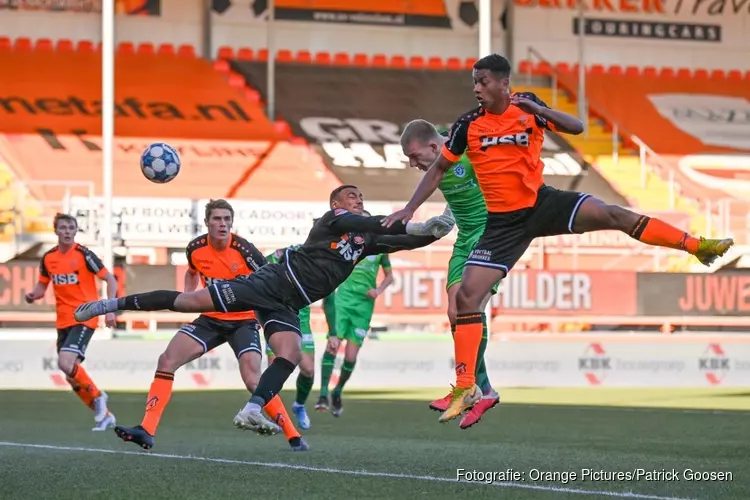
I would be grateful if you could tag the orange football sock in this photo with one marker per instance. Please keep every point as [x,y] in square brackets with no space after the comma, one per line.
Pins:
[466,342]
[84,382]
[158,398]
[84,395]
[276,410]
[658,233]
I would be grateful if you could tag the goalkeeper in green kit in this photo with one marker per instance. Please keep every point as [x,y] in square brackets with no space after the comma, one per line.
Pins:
[306,376]
[355,304]
[421,143]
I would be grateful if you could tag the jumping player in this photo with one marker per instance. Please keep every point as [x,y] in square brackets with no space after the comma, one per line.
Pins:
[421,143]
[355,305]
[212,258]
[72,268]
[276,292]
[503,140]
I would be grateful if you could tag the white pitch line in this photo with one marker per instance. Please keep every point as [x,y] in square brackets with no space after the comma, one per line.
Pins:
[391,475]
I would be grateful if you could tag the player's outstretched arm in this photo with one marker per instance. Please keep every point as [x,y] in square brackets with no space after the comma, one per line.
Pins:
[563,122]
[348,222]
[429,183]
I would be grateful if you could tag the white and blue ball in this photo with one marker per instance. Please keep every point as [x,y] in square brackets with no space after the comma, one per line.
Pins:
[160,163]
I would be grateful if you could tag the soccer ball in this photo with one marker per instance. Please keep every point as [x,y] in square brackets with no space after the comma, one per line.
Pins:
[160,163]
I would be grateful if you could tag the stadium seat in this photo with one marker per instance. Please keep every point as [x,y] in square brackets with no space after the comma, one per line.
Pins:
[562,67]
[64,45]
[684,73]
[718,74]
[526,67]
[22,44]
[747,75]
[597,69]
[650,72]
[245,54]
[235,80]
[5,43]
[341,59]
[85,46]
[225,52]
[667,73]
[734,75]
[284,56]
[322,58]
[222,66]
[416,62]
[165,49]
[700,74]
[126,48]
[282,128]
[379,61]
[615,70]
[43,44]
[146,49]
[453,63]
[398,62]
[253,96]
[543,68]
[361,60]
[633,71]
[469,62]
[186,50]
[303,57]
[435,63]
[261,55]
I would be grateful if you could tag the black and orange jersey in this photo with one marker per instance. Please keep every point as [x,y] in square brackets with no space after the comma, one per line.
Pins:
[73,275]
[506,152]
[240,257]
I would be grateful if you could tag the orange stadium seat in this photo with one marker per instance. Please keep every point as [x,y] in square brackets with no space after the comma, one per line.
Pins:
[525,66]
[718,74]
[633,71]
[64,45]
[261,55]
[615,71]
[23,44]
[543,68]
[225,52]
[341,59]
[684,73]
[398,62]
[303,57]
[416,62]
[596,69]
[379,61]
[245,54]
[284,56]
[146,49]
[85,46]
[185,50]
[322,58]
[125,48]
[453,63]
[734,75]
[469,62]
[44,44]
[361,60]
[5,43]
[667,73]
[165,49]
[701,74]
[435,63]
[222,66]
[562,67]
[650,72]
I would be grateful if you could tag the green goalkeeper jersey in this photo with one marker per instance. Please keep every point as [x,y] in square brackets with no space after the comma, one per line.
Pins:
[465,199]
[363,278]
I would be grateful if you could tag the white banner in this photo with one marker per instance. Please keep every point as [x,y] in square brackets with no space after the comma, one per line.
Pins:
[518,361]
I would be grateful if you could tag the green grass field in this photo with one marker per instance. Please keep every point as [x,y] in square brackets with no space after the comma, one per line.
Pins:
[386,445]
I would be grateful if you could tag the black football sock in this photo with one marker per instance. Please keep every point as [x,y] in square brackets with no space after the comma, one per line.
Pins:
[272,381]
[157,300]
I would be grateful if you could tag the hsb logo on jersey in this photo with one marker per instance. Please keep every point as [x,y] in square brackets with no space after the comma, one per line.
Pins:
[350,248]
[519,139]
[65,279]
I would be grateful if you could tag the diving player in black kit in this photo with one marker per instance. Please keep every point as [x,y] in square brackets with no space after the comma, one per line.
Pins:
[276,292]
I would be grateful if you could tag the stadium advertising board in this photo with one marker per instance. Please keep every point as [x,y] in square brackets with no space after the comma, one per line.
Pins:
[715,294]
[128,7]
[518,361]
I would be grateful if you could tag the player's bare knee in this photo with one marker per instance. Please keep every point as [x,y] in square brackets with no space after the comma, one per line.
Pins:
[167,362]
[452,315]
[66,362]
[307,365]
[619,218]
[467,301]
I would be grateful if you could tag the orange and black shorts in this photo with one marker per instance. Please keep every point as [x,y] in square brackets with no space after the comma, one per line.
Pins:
[507,235]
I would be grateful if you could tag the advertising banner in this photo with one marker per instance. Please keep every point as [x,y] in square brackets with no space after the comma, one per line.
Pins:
[127,7]
[595,361]
[718,294]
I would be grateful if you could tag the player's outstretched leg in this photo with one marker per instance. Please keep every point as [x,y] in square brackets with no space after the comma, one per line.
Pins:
[181,350]
[158,300]
[286,346]
[595,215]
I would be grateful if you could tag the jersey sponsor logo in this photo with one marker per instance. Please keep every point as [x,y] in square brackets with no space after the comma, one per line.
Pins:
[65,279]
[228,294]
[519,139]
[459,170]
[235,267]
[350,248]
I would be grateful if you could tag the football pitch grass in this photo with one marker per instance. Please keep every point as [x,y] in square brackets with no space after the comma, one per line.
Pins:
[386,445]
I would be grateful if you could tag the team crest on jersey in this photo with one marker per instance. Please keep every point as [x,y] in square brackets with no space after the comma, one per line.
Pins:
[359,239]
[235,267]
[459,171]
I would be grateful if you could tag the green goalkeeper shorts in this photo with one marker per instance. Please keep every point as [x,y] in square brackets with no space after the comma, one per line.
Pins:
[308,343]
[353,319]
[465,243]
